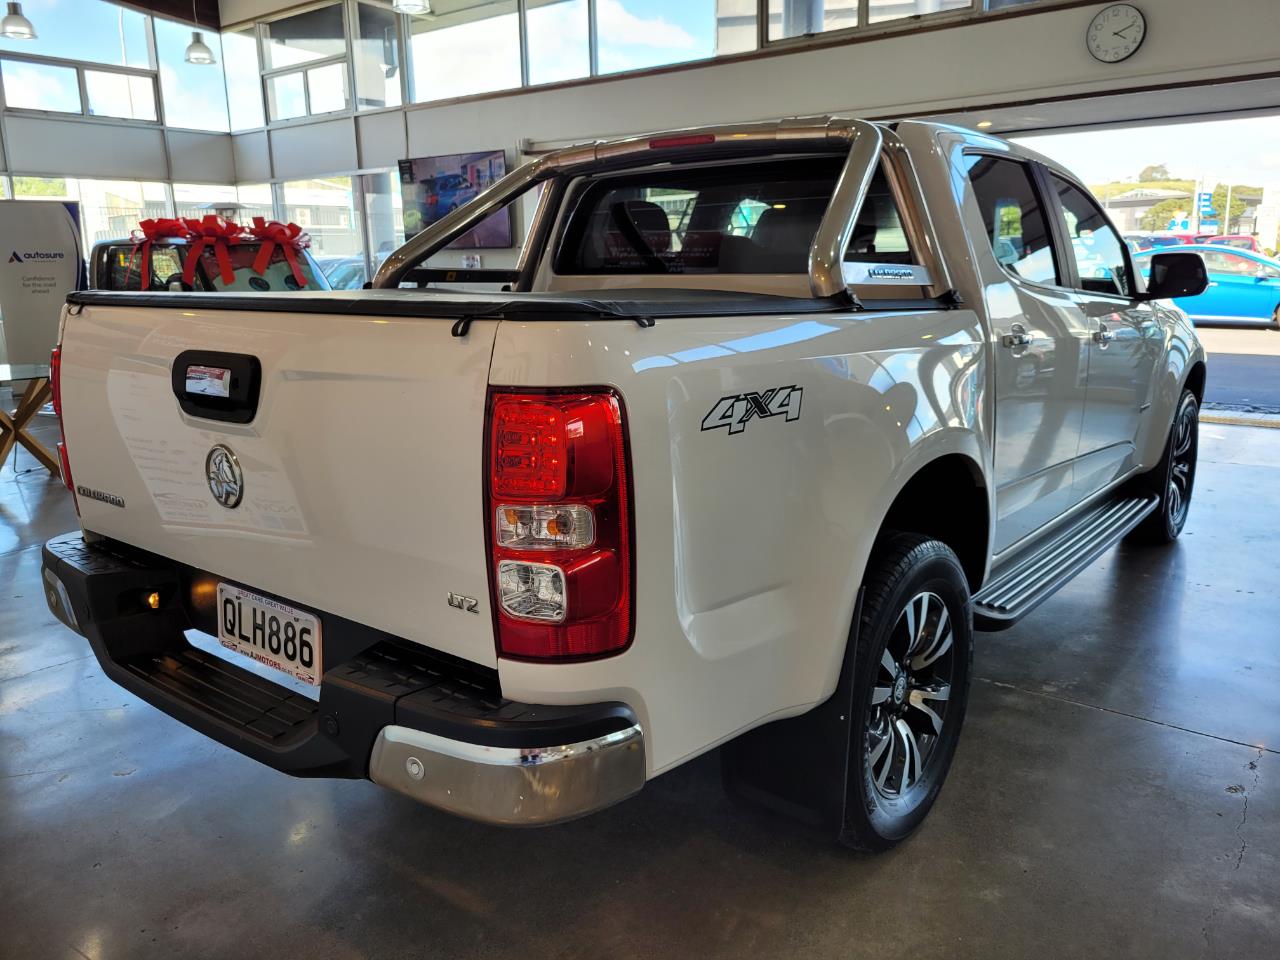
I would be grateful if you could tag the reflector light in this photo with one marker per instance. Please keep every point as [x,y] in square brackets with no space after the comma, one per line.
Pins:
[689,140]
[559,509]
[559,526]
[55,388]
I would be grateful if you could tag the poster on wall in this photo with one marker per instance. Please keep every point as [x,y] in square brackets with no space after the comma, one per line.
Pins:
[39,265]
[431,187]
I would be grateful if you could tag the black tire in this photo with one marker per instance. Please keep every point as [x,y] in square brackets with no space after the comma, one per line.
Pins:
[1173,479]
[1275,318]
[892,789]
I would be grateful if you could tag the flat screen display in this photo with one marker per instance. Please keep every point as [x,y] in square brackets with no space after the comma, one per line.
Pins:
[434,186]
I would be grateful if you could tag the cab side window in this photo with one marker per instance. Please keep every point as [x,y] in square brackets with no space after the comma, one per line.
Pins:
[1096,247]
[1014,218]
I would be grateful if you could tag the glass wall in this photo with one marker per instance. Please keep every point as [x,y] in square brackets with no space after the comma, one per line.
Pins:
[91,31]
[305,58]
[40,86]
[255,200]
[109,209]
[559,40]
[124,95]
[474,48]
[325,208]
[197,200]
[195,94]
[244,85]
[881,10]
[376,52]
[635,34]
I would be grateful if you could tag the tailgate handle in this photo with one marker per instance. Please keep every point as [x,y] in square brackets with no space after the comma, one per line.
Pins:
[217,386]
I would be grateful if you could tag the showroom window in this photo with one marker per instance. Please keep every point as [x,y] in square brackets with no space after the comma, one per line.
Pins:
[94,32]
[473,48]
[305,63]
[244,83]
[383,215]
[635,34]
[198,200]
[256,200]
[109,209]
[376,57]
[195,94]
[558,37]
[325,208]
[40,86]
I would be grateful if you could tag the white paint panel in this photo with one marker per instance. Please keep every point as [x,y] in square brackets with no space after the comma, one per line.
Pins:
[314,149]
[201,157]
[252,157]
[382,139]
[79,148]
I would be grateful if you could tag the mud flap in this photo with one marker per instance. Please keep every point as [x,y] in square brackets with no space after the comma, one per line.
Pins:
[799,767]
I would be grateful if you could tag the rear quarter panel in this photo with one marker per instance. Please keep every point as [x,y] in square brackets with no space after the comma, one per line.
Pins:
[750,544]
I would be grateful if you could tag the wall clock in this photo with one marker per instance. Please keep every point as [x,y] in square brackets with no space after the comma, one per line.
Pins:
[1116,32]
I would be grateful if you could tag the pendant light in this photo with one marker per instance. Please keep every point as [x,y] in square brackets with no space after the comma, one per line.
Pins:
[15,26]
[414,8]
[197,50]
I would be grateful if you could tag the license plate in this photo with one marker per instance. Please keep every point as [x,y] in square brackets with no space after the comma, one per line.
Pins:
[269,632]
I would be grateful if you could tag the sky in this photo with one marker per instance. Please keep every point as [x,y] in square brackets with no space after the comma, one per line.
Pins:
[1219,151]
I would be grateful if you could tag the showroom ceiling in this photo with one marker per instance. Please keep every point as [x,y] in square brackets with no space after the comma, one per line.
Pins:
[205,11]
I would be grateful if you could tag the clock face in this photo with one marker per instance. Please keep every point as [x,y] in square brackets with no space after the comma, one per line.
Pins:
[1116,32]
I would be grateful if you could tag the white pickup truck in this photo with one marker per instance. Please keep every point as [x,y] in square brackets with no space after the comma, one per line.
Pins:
[769,418]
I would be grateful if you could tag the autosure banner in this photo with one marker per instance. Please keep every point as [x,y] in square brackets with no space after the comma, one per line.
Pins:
[39,265]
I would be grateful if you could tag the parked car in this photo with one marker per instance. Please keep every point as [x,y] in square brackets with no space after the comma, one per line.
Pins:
[117,265]
[688,484]
[345,273]
[1239,241]
[1149,241]
[1243,286]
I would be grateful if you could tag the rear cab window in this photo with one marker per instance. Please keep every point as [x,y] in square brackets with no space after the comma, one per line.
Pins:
[745,220]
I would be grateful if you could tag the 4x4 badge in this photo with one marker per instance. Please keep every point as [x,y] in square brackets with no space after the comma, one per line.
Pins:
[736,410]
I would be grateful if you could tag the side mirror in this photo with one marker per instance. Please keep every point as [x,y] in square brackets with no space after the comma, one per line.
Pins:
[1176,275]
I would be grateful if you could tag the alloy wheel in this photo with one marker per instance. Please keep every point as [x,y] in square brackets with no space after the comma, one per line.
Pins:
[912,691]
[1182,467]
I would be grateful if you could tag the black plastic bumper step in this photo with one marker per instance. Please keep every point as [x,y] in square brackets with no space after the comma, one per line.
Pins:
[255,705]
[1036,574]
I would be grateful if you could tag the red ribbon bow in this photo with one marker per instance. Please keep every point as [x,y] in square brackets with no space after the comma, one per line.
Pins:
[212,231]
[290,238]
[147,233]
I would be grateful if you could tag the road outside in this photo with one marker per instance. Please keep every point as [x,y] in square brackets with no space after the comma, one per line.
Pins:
[1244,369]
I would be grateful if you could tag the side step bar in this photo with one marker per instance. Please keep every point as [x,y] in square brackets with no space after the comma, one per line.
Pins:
[1040,571]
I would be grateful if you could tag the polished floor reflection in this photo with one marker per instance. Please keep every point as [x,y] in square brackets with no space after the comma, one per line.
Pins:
[1116,794]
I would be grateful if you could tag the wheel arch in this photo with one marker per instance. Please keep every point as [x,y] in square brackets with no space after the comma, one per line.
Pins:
[947,498]
[1195,380]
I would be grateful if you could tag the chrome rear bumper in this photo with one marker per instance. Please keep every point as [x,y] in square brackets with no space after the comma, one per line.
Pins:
[513,786]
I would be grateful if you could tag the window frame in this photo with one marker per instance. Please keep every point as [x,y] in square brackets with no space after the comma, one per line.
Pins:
[81,68]
[1063,235]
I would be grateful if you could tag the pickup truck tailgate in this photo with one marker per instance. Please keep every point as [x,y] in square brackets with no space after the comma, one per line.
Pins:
[362,463]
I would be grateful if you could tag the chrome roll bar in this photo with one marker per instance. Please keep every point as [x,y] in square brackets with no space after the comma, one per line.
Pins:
[826,254]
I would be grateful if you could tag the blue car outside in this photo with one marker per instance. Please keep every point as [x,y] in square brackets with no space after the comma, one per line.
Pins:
[1243,286]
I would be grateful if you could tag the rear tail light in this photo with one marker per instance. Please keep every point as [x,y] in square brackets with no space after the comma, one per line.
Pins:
[55,386]
[559,521]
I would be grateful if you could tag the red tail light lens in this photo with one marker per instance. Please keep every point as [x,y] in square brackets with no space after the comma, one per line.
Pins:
[55,379]
[559,524]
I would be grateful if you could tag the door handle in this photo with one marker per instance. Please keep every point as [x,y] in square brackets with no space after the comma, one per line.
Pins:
[1102,335]
[1017,337]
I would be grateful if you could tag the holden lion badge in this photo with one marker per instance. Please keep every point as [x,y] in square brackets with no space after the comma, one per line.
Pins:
[226,481]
